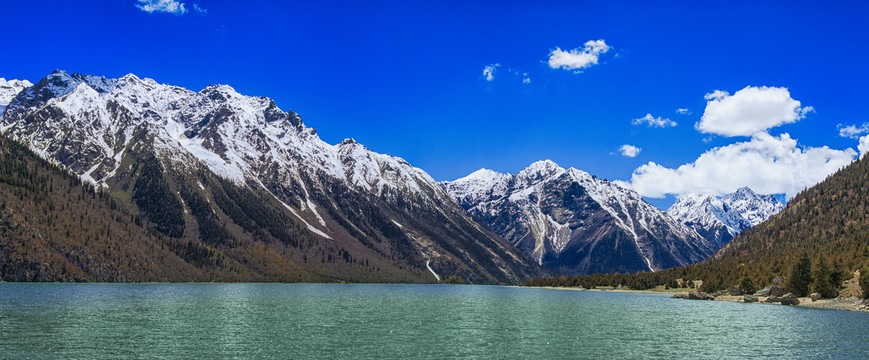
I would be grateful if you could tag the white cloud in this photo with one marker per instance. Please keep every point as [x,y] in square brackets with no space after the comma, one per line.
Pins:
[166,6]
[520,75]
[489,71]
[749,111]
[853,131]
[578,59]
[683,111]
[717,94]
[199,10]
[767,164]
[652,121]
[863,146]
[629,150]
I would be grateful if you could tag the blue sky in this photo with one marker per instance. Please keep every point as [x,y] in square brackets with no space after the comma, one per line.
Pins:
[407,78]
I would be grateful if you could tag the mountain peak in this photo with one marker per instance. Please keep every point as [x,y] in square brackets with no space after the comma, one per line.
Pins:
[719,219]
[544,168]
[745,191]
[14,83]
[9,89]
[483,173]
[58,72]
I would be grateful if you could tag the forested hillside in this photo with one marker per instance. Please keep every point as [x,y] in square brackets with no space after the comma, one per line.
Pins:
[829,220]
[54,227]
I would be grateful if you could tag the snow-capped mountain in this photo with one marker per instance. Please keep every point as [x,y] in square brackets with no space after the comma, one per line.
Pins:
[209,148]
[720,219]
[8,90]
[575,223]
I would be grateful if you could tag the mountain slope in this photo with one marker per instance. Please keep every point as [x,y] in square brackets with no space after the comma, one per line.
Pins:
[55,228]
[720,219]
[575,223]
[238,173]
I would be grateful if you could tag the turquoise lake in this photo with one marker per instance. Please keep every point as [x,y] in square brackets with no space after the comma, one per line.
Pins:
[299,321]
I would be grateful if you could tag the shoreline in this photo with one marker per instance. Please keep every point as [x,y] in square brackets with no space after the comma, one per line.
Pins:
[842,304]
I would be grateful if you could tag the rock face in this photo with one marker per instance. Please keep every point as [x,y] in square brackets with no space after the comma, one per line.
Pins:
[790,299]
[575,223]
[720,219]
[773,299]
[236,172]
[749,299]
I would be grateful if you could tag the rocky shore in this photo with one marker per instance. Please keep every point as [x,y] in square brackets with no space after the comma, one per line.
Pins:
[847,304]
[775,294]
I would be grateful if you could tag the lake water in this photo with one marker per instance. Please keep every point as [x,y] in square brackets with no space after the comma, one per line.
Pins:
[297,321]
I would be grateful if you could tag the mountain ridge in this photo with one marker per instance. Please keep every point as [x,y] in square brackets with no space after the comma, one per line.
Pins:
[571,221]
[354,202]
[720,219]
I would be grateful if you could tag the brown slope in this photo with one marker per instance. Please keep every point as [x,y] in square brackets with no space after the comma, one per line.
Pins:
[54,228]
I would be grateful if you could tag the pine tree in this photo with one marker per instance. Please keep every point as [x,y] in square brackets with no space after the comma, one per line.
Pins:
[839,274]
[801,277]
[747,285]
[823,279]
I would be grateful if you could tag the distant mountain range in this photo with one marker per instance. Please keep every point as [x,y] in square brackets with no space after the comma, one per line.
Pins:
[827,221]
[219,175]
[575,223]
[238,174]
[720,219]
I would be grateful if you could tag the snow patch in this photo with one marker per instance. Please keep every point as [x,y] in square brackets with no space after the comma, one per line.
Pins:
[427,262]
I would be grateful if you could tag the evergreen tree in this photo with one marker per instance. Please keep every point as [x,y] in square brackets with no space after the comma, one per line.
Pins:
[747,285]
[839,274]
[801,277]
[823,279]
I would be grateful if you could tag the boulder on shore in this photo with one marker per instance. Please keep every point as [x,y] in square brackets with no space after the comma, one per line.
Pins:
[679,296]
[773,299]
[749,299]
[772,290]
[763,292]
[735,290]
[699,295]
[816,296]
[790,299]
